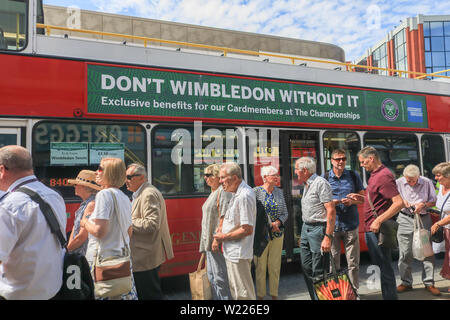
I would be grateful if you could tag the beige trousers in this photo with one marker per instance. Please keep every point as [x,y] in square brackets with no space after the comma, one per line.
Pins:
[269,260]
[240,279]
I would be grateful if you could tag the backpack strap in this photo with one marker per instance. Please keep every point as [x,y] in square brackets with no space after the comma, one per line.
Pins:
[48,214]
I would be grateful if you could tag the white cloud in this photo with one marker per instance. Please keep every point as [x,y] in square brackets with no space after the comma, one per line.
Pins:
[353,25]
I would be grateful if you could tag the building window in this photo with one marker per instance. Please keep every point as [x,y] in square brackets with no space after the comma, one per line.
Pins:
[380,59]
[437,46]
[401,62]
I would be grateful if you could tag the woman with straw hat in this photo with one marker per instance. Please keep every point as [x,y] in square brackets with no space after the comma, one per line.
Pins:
[86,188]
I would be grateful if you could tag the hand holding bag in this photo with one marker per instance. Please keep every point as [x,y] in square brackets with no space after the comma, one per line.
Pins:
[112,274]
[421,246]
[334,285]
[388,230]
[198,280]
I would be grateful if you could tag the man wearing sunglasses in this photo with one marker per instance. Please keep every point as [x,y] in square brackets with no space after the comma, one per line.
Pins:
[344,182]
[150,243]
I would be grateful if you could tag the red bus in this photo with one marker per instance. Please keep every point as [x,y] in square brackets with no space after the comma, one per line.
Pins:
[72,101]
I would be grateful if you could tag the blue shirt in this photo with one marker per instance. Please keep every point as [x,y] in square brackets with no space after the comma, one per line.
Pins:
[347,218]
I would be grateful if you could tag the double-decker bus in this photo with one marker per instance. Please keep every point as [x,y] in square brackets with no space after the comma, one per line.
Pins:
[72,101]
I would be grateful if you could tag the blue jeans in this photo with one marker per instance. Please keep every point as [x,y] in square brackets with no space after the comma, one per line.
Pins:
[313,262]
[382,257]
[217,275]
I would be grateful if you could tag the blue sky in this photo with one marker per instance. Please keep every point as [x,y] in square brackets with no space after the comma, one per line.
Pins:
[354,25]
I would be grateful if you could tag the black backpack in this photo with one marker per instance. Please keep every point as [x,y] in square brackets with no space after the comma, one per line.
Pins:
[77,280]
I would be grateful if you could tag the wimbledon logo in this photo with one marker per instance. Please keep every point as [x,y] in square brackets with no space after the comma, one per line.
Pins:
[389,109]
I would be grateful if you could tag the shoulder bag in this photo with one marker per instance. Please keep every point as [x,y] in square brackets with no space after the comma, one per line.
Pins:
[438,236]
[77,281]
[112,274]
[388,230]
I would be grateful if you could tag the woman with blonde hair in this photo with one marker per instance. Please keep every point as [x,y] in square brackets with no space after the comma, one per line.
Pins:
[271,209]
[442,175]
[212,210]
[110,225]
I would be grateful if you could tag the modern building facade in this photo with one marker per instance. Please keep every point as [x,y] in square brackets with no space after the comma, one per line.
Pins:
[418,44]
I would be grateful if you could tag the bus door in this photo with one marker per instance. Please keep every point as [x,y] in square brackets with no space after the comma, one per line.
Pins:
[447,139]
[293,145]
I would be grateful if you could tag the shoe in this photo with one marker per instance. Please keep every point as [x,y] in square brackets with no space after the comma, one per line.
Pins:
[402,288]
[433,290]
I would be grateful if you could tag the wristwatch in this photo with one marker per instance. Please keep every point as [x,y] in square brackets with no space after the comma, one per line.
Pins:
[329,236]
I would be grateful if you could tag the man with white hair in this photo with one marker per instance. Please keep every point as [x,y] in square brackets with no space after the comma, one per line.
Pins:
[418,193]
[319,218]
[236,232]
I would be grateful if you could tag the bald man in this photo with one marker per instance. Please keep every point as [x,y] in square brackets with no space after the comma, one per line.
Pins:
[31,257]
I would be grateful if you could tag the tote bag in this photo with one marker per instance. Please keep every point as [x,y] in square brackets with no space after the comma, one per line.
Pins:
[334,285]
[198,280]
[421,246]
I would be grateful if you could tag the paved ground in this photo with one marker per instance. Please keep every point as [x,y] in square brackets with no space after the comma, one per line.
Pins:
[292,285]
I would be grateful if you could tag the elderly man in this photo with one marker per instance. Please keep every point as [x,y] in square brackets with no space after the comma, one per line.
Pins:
[236,231]
[383,196]
[31,257]
[150,243]
[319,217]
[418,193]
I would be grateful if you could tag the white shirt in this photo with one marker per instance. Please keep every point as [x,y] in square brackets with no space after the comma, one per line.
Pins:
[32,257]
[113,242]
[241,210]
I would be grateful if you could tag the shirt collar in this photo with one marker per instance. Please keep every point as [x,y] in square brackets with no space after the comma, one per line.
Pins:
[419,181]
[311,179]
[19,181]
[136,193]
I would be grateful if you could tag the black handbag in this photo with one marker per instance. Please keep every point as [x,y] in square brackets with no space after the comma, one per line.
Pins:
[77,283]
[387,236]
[262,230]
[438,236]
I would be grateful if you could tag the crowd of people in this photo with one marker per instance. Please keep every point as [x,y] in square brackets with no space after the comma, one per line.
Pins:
[106,224]
[240,225]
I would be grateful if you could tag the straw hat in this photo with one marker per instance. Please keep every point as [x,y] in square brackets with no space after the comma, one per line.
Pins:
[85,178]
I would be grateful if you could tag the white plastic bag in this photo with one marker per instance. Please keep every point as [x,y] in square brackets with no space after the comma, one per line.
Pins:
[421,246]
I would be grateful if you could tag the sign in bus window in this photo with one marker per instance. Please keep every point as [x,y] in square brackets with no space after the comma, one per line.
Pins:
[62,149]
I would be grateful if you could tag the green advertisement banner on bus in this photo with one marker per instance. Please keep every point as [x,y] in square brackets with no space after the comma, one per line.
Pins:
[148,92]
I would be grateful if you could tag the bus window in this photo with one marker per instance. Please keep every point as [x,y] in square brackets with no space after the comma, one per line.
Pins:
[396,150]
[180,156]
[13,24]
[349,141]
[263,149]
[62,149]
[432,152]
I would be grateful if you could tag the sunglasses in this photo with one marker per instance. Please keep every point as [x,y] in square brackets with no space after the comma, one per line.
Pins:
[340,159]
[129,177]
[207,175]
[100,169]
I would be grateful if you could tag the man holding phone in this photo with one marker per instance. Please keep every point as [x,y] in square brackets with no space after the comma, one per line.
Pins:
[344,182]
